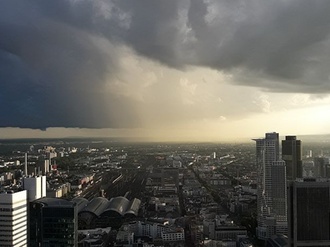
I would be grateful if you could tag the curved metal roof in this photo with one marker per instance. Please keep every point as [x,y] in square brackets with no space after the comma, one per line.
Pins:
[55,202]
[118,204]
[133,207]
[96,206]
[81,203]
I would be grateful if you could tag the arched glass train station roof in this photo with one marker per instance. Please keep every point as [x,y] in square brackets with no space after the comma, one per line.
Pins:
[100,205]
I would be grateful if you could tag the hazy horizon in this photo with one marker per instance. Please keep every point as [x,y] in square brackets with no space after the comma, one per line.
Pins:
[55,136]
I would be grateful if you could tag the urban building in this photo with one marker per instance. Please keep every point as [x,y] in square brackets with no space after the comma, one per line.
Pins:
[53,222]
[99,237]
[221,228]
[151,232]
[292,155]
[308,214]
[277,241]
[58,190]
[13,219]
[125,238]
[36,187]
[271,187]
[279,193]
[173,235]
[320,166]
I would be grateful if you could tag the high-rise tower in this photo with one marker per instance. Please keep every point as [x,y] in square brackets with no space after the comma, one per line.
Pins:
[271,187]
[291,154]
[13,219]
[53,222]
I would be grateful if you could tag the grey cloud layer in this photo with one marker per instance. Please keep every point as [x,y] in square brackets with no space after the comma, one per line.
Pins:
[57,56]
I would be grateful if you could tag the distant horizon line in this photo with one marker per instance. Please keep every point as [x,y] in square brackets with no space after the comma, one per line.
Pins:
[144,140]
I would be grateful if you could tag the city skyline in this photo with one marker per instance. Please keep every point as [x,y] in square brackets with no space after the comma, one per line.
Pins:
[164,71]
[65,191]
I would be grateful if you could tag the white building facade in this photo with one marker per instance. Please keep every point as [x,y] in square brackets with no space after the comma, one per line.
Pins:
[36,187]
[13,219]
[177,235]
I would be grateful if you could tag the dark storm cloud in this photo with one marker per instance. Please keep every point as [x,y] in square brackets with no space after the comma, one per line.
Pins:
[285,41]
[51,70]
[54,68]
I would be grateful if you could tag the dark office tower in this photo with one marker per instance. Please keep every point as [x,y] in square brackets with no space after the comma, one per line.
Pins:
[308,212]
[291,154]
[320,165]
[327,171]
[279,193]
[53,222]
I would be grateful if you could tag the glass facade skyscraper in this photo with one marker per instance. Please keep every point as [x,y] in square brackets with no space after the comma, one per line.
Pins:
[291,154]
[309,211]
[53,222]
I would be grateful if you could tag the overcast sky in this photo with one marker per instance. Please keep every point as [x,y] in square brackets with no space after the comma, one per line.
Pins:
[166,70]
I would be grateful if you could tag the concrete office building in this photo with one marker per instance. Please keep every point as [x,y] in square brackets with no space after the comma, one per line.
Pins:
[45,166]
[13,219]
[36,187]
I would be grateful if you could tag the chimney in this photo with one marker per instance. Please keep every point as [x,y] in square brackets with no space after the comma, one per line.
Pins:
[26,168]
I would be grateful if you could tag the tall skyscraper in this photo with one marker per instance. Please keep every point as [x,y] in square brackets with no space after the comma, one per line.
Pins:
[308,214]
[13,219]
[53,222]
[291,154]
[279,191]
[271,187]
[279,197]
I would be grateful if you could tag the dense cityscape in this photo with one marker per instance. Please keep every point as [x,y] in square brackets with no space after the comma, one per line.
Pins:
[182,123]
[89,192]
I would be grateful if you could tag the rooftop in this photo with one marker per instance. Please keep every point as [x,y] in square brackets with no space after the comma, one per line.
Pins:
[54,202]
